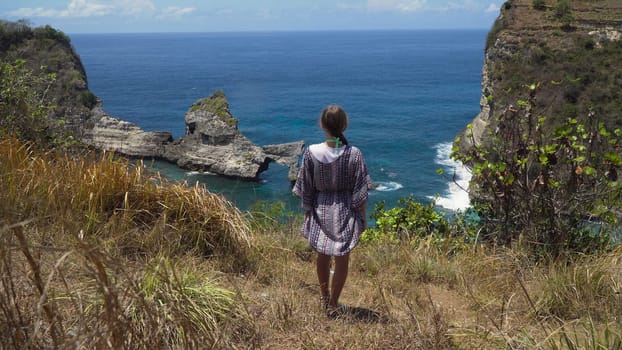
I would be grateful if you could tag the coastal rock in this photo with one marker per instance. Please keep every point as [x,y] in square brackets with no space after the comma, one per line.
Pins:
[287,154]
[114,134]
[213,142]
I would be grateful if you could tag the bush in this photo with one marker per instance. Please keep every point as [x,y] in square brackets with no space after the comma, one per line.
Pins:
[88,99]
[539,5]
[550,189]
[50,33]
[563,12]
[407,221]
[24,108]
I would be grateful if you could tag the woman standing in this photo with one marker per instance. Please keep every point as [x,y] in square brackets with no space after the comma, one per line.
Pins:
[332,183]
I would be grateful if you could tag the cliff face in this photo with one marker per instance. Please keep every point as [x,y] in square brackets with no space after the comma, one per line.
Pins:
[48,51]
[573,54]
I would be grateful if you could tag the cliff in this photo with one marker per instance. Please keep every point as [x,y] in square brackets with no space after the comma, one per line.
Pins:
[212,142]
[47,51]
[570,50]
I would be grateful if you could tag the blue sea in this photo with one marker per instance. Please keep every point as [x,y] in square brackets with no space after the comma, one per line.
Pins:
[407,94]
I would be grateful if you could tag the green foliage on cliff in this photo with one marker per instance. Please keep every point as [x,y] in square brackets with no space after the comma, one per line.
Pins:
[561,191]
[546,163]
[217,103]
[45,52]
[23,112]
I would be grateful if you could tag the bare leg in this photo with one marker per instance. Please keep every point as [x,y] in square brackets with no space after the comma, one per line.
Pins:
[323,275]
[339,278]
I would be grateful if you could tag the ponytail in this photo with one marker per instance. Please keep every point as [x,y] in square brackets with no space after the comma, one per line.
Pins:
[335,120]
[342,138]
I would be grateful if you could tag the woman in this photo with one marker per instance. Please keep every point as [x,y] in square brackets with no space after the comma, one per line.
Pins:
[333,184]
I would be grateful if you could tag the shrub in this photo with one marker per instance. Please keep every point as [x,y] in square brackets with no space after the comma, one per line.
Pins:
[407,221]
[539,5]
[88,99]
[24,108]
[552,189]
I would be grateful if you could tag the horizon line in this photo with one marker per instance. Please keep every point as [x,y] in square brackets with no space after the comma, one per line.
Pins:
[288,31]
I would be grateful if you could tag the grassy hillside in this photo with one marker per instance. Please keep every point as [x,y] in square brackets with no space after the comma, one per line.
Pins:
[99,253]
[563,47]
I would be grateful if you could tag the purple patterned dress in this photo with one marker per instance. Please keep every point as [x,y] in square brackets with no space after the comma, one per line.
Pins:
[332,195]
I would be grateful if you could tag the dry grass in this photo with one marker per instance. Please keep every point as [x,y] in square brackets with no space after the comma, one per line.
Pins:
[97,253]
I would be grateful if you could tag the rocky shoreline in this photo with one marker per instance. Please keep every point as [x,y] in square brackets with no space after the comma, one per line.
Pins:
[212,143]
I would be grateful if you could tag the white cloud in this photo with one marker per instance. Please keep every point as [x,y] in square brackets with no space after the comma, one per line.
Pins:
[396,5]
[86,8]
[134,7]
[33,12]
[493,8]
[76,8]
[93,8]
[176,12]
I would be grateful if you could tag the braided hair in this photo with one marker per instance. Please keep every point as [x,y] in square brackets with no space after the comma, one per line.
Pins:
[335,120]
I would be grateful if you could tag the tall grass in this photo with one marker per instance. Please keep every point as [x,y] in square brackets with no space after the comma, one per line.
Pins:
[96,252]
[107,198]
[78,296]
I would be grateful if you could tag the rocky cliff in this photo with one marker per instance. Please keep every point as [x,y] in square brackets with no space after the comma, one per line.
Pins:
[48,52]
[570,50]
[212,143]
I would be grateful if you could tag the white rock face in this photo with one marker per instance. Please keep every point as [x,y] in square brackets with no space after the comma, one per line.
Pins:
[212,142]
[113,134]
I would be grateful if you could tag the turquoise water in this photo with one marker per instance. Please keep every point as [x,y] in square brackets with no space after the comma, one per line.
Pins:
[407,93]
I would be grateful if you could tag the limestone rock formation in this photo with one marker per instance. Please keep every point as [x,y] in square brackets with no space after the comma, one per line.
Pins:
[126,138]
[214,143]
[287,154]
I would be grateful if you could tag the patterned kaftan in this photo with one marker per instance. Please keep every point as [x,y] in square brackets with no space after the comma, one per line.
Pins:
[332,194]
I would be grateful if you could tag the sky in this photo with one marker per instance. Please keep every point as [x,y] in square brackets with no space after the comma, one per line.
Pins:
[130,16]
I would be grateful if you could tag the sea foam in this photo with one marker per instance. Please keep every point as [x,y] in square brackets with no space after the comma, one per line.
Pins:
[456,197]
[386,186]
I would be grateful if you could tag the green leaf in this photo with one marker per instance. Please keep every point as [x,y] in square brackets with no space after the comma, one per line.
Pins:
[613,157]
[440,171]
[544,159]
[588,170]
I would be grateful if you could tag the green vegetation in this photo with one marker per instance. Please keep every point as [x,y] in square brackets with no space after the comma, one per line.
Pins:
[408,220]
[21,93]
[539,5]
[217,104]
[557,193]
[88,99]
[52,73]
[563,12]
[98,252]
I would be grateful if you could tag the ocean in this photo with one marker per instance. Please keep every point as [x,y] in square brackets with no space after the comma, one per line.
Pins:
[407,94]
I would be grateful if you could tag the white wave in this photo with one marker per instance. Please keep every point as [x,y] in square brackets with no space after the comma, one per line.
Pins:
[456,197]
[197,173]
[387,186]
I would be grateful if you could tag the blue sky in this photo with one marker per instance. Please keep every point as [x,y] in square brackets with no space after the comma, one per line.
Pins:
[111,16]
